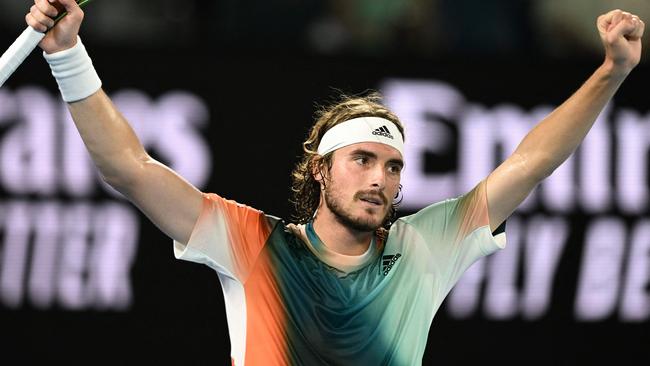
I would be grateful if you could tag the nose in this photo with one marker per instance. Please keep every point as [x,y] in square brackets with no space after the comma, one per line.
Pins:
[378,177]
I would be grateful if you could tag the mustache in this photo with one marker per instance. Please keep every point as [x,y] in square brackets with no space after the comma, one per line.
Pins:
[372,195]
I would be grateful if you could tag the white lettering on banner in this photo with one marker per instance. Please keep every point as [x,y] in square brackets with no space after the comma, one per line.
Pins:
[170,127]
[81,254]
[618,145]
[479,132]
[595,191]
[423,105]
[78,175]
[502,300]
[483,131]
[544,241]
[615,273]
[27,152]
[77,254]
[36,159]
[633,141]
[109,284]
[44,253]
[17,226]
[598,284]
[635,305]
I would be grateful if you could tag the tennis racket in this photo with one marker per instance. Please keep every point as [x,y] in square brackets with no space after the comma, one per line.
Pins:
[23,46]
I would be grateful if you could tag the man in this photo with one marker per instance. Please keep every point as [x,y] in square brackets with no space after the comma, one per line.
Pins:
[338,288]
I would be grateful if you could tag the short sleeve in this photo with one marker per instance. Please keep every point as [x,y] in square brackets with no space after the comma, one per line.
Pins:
[227,236]
[457,232]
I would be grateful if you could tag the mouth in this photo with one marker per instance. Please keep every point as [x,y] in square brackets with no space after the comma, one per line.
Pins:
[375,201]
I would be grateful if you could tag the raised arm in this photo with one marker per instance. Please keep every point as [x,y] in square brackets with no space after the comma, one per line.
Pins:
[169,201]
[555,138]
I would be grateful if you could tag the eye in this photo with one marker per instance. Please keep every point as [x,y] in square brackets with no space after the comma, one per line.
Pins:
[361,160]
[395,169]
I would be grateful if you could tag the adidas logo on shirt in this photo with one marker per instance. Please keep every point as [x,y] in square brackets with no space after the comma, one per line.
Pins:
[388,261]
[383,131]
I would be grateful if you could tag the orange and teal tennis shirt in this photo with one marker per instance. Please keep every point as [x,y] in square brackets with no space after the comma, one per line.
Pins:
[292,301]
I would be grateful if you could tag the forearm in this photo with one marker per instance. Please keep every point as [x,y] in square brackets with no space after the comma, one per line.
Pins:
[556,137]
[110,140]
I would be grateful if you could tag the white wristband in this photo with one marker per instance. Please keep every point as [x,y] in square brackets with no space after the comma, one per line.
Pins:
[74,72]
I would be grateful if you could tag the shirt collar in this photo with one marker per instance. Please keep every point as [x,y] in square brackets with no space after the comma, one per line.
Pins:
[345,263]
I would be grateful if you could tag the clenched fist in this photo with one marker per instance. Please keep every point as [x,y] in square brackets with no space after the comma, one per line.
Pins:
[64,34]
[621,34]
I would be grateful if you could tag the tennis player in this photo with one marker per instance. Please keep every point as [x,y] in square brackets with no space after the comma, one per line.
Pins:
[343,285]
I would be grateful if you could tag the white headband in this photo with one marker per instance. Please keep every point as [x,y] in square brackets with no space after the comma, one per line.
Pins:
[363,129]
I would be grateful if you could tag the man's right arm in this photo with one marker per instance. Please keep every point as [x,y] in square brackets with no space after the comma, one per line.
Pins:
[168,200]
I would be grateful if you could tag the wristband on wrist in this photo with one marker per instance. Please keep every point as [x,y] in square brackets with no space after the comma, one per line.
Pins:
[74,72]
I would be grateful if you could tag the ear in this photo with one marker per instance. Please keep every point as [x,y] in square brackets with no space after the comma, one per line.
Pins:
[318,170]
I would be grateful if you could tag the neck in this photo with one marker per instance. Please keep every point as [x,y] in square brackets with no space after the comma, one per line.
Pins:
[340,238]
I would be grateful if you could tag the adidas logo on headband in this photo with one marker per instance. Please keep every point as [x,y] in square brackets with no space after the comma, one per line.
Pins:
[362,129]
[383,131]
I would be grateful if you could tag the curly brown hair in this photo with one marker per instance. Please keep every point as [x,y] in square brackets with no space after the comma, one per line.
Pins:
[305,188]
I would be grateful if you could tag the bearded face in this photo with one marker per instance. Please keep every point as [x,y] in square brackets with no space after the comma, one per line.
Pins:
[360,184]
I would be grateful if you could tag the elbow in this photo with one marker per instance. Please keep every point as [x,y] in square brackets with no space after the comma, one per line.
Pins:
[544,166]
[540,169]
[120,182]
[116,181]
[535,167]
[125,176]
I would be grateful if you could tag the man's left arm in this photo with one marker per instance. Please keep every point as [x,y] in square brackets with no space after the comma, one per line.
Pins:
[555,138]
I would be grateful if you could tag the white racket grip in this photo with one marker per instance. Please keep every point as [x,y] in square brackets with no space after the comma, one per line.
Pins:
[18,52]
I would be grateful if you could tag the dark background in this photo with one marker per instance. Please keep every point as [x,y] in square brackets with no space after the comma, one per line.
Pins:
[262,67]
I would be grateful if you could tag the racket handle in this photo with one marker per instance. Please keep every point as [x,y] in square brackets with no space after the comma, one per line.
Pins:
[18,52]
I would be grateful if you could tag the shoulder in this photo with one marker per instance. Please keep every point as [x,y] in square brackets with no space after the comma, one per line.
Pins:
[431,211]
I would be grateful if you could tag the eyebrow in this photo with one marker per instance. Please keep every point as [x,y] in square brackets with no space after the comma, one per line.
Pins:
[371,154]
